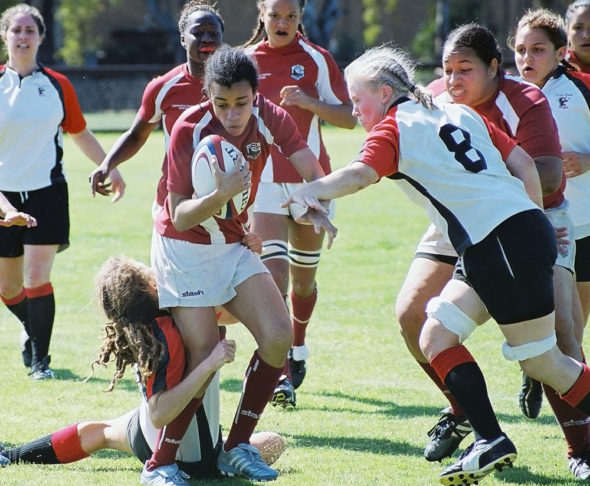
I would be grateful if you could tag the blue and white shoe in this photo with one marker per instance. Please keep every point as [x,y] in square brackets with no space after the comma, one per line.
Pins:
[164,476]
[4,461]
[244,460]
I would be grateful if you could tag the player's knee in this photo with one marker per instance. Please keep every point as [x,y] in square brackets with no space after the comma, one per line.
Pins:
[451,317]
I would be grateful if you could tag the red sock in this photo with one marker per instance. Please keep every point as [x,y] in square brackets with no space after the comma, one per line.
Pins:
[301,310]
[574,423]
[170,435]
[455,407]
[450,358]
[259,384]
[15,300]
[66,445]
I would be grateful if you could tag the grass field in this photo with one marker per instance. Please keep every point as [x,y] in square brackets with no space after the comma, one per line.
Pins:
[365,407]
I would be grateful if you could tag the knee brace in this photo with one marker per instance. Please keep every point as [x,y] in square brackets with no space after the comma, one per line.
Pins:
[274,249]
[528,350]
[450,316]
[303,258]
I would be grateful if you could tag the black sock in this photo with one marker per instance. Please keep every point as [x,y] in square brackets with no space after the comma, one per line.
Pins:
[21,311]
[468,386]
[41,315]
[39,451]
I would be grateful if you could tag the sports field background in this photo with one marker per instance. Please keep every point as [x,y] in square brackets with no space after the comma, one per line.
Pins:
[365,406]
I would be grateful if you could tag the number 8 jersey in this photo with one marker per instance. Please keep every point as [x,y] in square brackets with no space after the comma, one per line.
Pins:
[450,161]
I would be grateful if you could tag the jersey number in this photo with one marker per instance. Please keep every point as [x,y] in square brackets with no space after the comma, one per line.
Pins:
[458,141]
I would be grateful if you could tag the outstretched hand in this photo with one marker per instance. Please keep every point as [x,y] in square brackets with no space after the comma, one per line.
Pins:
[316,214]
[16,218]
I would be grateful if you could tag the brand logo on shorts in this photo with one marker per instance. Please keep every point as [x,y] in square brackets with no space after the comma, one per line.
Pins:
[192,293]
[297,72]
[253,150]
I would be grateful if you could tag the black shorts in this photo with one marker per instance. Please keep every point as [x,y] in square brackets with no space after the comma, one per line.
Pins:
[511,269]
[50,207]
[582,264]
[449,260]
[206,468]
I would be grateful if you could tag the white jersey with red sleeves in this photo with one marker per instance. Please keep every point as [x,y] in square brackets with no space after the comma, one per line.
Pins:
[34,112]
[164,99]
[450,161]
[315,71]
[568,93]
[269,125]
[521,110]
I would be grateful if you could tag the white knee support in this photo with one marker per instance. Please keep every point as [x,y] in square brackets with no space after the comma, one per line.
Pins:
[528,350]
[274,249]
[450,316]
[303,258]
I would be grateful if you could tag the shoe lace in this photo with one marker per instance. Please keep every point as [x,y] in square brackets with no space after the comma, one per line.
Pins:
[445,422]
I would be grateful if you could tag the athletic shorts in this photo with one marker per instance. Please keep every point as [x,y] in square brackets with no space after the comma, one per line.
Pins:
[511,269]
[559,217]
[271,195]
[200,446]
[193,275]
[583,259]
[49,206]
[433,245]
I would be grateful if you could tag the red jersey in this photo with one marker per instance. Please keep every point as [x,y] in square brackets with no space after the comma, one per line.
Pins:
[573,59]
[269,126]
[170,369]
[315,71]
[164,99]
[522,111]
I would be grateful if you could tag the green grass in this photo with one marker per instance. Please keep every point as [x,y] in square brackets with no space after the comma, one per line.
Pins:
[365,407]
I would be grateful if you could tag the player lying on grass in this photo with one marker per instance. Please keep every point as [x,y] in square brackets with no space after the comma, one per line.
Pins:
[139,334]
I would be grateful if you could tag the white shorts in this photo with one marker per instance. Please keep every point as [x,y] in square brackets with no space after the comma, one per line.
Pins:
[559,217]
[193,275]
[271,195]
[434,243]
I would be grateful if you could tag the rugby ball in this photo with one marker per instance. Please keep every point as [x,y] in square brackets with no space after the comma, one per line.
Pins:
[202,175]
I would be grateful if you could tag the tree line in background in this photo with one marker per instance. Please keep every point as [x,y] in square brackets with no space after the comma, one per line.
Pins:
[78,37]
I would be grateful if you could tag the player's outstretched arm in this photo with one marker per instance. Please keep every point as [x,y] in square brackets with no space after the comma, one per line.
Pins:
[165,406]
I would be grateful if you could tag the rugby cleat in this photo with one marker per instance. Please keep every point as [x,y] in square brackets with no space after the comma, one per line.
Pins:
[284,394]
[530,397]
[446,436]
[480,459]
[297,357]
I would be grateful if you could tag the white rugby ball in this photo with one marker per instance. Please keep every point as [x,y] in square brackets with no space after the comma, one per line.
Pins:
[202,176]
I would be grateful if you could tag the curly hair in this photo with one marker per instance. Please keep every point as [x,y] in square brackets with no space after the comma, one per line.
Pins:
[259,29]
[125,290]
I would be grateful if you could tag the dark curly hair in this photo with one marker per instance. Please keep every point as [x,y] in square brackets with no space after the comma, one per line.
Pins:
[197,6]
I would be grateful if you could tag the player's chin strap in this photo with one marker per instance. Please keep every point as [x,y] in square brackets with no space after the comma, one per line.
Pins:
[450,316]
[528,350]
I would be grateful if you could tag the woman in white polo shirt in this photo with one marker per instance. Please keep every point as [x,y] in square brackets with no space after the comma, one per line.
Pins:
[37,105]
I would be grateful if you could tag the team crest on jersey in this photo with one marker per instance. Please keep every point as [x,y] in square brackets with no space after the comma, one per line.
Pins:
[297,72]
[41,90]
[564,100]
[253,150]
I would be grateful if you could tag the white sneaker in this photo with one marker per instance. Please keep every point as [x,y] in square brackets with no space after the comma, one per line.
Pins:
[164,476]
